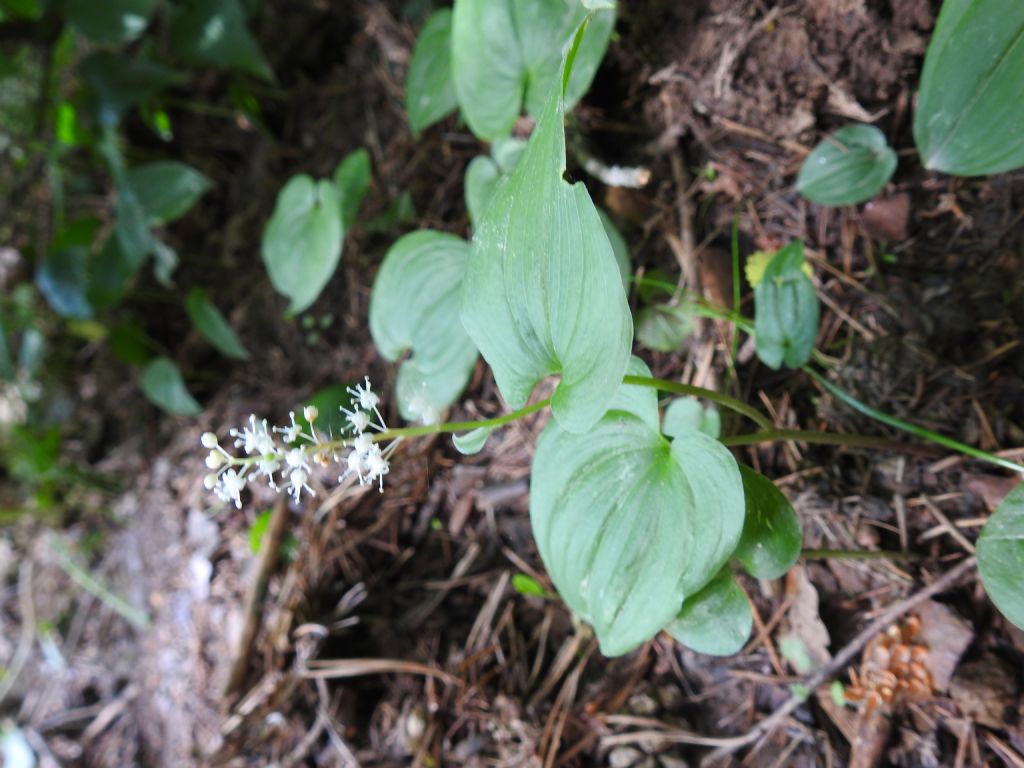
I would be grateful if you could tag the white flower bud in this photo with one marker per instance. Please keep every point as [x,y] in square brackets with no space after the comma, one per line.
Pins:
[210,481]
[310,412]
[209,440]
[214,460]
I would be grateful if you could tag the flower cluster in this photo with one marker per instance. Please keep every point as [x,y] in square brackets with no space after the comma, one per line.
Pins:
[284,455]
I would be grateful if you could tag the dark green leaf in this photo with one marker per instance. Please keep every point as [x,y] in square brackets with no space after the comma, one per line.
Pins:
[1001,556]
[352,178]
[302,241]
[786,310]
[717,620]
[62,277]
[118,82]
[109,21]
[630,526]
[130,343]
[850,166]
[328,402]
[414,307]
[662,327]
[772,537]
[26,9]
[210,323]
[524,302]
[429,91]
[163,386]
[166,190]
[970,108]
[110,272]
[214,33]
[496,70]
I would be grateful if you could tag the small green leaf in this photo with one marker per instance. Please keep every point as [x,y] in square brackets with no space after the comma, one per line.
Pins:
[717,620]
[110,272]
[212,326]
[662,327]
[971,104]
[525,585]
[302,240]
[214,33]
[429,91]
[686,414]
[163,386]
[62,278]
[1001,556]
[495,71]
[414,307]
[166,190]
[481,179]
[523,300]
[850,166]
[772,537]
[117,83]
[786,310]
[352,178]
[630,526]
[109,21]
[506,152]
[472,442]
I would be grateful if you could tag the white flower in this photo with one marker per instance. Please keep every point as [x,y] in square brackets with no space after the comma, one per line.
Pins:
[367,398]
[231,486]
[356,466]
[362,444]
[255,438]
[310,413]
[290,433]
[297,483]
[296,459]
[376,466]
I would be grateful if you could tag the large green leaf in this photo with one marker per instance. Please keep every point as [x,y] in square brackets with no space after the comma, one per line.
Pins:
[850,166]
[1001,556]
[414,308]
[772,537]
[786,310]
[166,190]
[970,109]
[542,293]
[302,240]
[352,177]
[109,21]
[505,52]
[717,620]
[628,525]
[162,384]
[117,83]
[212,325]
[429,91]
[214,33]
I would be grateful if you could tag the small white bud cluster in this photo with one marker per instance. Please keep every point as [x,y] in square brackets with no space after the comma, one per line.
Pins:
[287,462]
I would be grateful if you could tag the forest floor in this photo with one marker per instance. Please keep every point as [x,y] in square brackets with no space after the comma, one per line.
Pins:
[383,629]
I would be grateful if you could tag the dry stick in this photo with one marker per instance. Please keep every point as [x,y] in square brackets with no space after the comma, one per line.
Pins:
[844,657]
[269,551]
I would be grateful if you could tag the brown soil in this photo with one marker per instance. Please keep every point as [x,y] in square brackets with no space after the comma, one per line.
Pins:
[922,321]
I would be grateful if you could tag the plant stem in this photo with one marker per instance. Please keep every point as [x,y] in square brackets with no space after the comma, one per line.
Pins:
[921,432]
[857,554]
[725,401]
[460,426]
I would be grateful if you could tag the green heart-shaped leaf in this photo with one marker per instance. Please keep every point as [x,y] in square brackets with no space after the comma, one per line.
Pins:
[686,414]
[505,52]
[302,240]
[429,91]
[717,620]
[850,166]
[971,104]
[1001,556]
[414,308]
[772,537]
[628,525]
[786,310]
[542,293]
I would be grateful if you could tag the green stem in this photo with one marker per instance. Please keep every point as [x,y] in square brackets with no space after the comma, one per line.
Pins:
[460,426]
[856,554]
[921,432]
[725,401]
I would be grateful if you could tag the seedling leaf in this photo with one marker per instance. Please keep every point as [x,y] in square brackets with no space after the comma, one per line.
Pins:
[1001,556]
[850,166]
[212,326]
[163,386]
[717,620]
[786,310]
[772,537]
